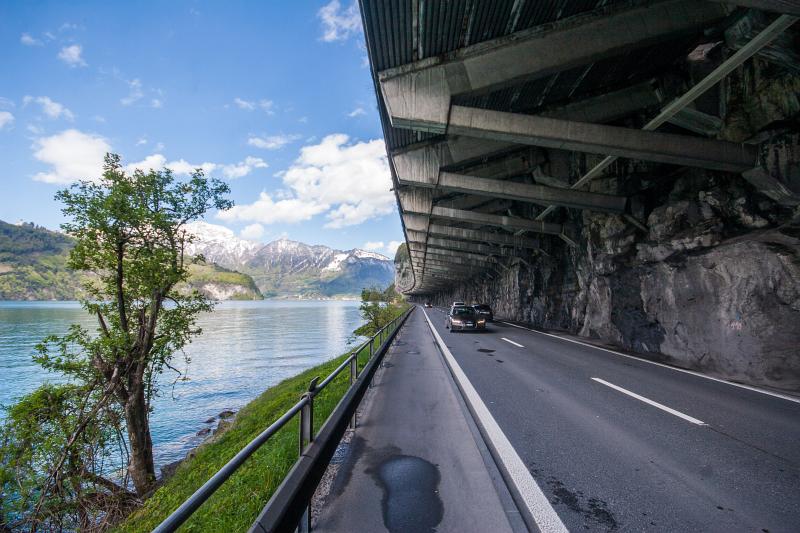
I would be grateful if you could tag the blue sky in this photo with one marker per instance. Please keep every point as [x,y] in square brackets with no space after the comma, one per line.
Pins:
[274,97]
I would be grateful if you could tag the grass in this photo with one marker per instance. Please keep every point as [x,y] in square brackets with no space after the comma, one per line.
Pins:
[238,502]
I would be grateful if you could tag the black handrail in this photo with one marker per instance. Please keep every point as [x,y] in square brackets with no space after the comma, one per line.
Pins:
[187,508]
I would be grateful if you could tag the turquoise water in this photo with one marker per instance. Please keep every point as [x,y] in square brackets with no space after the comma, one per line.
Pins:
[245,348]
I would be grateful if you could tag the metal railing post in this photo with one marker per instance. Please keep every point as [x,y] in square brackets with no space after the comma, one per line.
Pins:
[371,353]
[353,377]
[306,435]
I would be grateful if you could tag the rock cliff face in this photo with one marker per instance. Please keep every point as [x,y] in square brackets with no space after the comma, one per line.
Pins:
[713,283]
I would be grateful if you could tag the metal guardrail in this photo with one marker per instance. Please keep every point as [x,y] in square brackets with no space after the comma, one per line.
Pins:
[289,507]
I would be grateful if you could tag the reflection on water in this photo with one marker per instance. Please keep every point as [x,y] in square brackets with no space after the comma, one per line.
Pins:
[245,348]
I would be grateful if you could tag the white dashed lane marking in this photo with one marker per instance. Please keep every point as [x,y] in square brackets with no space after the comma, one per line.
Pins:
[648,401]
[518,345]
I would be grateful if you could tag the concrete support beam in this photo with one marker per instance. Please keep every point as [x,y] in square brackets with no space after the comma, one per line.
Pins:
[538,194]
[415,222]
[418,95]
[452,261]
[440,252]
[421,168]
[418,238]
[609,106]
[450,267]
[445,252]
[416,201]
[477,203]
[789,7]
[496,220]
[601,139]
[697,121]
[482,249]
[494,159]
[463,234]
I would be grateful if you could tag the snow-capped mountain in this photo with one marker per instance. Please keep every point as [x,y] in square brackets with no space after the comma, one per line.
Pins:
[290,268]
[218,244]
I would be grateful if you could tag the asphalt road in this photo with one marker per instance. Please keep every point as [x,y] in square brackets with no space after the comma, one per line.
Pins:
[618,443]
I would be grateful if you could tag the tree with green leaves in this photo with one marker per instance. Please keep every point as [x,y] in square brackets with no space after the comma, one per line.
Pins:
[59,444]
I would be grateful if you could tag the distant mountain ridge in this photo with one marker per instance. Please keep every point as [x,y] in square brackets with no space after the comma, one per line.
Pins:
[33,266]
[286,268]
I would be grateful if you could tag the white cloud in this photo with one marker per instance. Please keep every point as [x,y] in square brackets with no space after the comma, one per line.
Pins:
[159,147]
[6,119]
[357,112]
[141,141]
[49,107]
[155,103]
[273,142]
[253,232]
[72,55]
[349,181]
[267,211]
[244,104]
[392,247]
[243,168]
[389,248]
[338,24]
[28,40]
[72,154]
[151,162]
[181,167]
[135,92]
[251,105]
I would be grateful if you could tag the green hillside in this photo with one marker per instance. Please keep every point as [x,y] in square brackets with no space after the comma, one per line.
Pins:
[223,284]
[33,266]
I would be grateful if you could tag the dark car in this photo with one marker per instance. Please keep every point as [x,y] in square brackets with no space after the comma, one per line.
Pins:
[484,311]
[464,318]
[428,305]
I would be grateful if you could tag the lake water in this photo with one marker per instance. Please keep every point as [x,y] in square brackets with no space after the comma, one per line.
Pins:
[245,348]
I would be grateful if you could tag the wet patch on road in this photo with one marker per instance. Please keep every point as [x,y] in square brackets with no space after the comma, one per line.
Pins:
[499,360]
[410,488]
[595,513]
[485,350]
[412,351]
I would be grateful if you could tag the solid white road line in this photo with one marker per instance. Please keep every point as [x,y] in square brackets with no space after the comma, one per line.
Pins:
[676,369]
[651,402]
[537,504]
[512,342]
